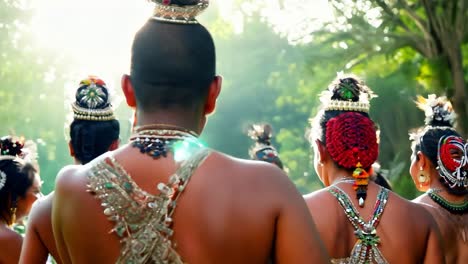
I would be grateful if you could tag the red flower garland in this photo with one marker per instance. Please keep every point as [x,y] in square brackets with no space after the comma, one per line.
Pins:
[351,139]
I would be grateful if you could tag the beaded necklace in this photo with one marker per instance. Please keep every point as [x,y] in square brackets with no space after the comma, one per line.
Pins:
[344,179]
[366,247]
[454,208]
[159,139]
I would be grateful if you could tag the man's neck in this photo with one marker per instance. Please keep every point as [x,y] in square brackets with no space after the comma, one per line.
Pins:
[185,120]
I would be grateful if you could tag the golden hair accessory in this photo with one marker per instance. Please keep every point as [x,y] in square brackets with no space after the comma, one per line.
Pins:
[173,12]
[347,93]
[347,106]
[81,113]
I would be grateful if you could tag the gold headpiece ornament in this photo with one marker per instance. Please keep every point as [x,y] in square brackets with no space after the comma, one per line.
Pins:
[92,101]
[179,11]
[346,93]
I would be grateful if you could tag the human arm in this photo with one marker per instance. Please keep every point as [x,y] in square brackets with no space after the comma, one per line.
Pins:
[297,240]
[33,249]
[59,210]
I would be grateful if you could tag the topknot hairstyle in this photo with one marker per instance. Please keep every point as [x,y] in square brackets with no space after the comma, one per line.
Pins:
[94,127]
[348,89]
[92,101]
[438,111]
[263,149]
[345,128]
[441,144]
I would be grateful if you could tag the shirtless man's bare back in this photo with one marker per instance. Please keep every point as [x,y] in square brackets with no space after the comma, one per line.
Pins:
[229,211]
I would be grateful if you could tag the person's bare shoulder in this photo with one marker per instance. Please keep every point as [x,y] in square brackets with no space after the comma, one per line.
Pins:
[41,210]
[70,178]
[265,177]
[316,199]
[10,242]
[269,187]
[413,210]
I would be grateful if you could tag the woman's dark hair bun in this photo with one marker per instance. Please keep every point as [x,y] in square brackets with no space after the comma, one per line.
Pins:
[438,110]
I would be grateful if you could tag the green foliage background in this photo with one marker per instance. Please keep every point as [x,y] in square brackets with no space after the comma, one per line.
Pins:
[266,79]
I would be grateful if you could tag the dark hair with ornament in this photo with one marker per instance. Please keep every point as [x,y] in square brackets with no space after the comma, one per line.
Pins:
[263,149]
[16,176]
[94,127]
[441,144]
[344,127]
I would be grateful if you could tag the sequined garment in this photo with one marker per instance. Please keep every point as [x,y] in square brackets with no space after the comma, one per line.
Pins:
[142,221]
[366,248]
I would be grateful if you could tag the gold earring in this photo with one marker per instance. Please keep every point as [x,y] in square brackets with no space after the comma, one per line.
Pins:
[12,215]
[423,179]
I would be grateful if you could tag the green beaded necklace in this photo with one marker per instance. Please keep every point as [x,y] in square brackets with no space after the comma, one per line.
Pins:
[454,208]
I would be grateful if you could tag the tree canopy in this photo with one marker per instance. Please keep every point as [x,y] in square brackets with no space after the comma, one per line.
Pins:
[272,72]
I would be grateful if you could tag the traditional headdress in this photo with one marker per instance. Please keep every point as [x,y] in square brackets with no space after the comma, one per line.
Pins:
[347,94]
[438,111]
[263,150]
[452,150]
[92,101]
[179,11]
[350,137]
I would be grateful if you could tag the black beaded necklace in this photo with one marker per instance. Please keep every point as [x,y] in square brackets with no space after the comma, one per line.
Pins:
[158,140]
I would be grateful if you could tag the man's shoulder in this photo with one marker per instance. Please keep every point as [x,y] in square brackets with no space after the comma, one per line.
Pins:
[247,170]
[70,177]
[41,210]
[72,180]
